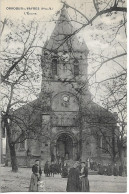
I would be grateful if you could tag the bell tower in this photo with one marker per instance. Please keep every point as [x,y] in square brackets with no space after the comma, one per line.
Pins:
[64,58]
[64,68]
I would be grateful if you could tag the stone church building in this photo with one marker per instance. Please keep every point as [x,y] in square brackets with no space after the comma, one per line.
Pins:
[64,122]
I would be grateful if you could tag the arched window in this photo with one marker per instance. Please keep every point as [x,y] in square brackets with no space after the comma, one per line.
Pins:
[54,66]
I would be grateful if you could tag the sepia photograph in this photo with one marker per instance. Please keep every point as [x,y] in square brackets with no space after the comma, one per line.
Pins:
[63,96]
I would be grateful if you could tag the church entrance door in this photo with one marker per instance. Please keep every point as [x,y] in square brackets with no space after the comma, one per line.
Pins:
[64,147]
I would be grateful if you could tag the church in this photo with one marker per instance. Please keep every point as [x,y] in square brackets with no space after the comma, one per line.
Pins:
[64,122]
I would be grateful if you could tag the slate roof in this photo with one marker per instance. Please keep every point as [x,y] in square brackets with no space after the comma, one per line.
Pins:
[98,114]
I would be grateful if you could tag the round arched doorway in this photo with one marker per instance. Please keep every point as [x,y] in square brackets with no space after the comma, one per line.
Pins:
[64,147]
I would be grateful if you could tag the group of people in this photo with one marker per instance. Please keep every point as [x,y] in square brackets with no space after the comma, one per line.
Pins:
[50,169]
[106,169]
[77,176]
[110,170]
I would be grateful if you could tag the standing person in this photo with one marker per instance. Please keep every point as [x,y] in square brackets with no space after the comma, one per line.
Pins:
[47,169]
[73,183]
[52,169]
[115,170]
[84,178]
[109,170]
[120,170]
[88,163]
[91,164]
[101,169]
[95,166]
[37,167]
[64,171]
[105,169]
[35,177]
[59,168]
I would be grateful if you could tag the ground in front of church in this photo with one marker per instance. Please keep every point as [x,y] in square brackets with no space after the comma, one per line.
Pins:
[19,182]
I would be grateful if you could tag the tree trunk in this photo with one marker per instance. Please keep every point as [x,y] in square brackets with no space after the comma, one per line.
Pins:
[13,157]
[11,147]
[80,140]
[121,156]
[113,145]
[80,149]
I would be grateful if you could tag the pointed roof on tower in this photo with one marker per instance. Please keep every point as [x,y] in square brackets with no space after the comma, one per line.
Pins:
[61,38]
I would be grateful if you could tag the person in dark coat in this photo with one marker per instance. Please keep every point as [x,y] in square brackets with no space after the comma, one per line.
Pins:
[105,169]
[56,168]
[109,170]
[91,164]
[120,170]
[47,169]
[94,166]
[84,178]
[36,168]
[101,170]
[59,168]
[65,171]
[115,170]
[52,169]
[73,183]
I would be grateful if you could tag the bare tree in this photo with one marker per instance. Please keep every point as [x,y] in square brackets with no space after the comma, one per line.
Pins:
[116,99]
[18,76]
